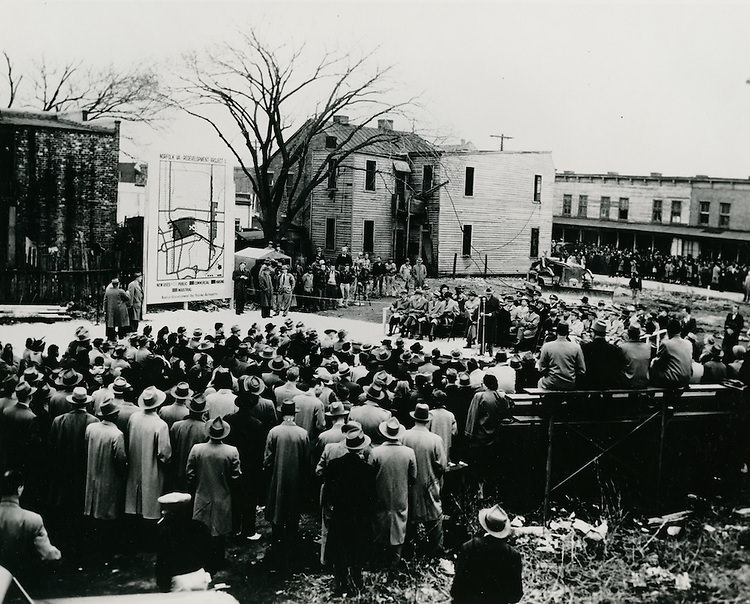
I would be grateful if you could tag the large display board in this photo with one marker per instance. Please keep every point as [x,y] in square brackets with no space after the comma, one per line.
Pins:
[189,229]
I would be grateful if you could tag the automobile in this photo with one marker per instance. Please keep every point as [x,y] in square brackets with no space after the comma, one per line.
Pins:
[550,272]
[18,594]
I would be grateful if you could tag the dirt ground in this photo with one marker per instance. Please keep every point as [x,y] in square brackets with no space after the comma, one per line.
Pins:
[703,561]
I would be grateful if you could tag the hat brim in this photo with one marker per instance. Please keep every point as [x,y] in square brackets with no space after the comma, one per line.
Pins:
[114,413]
[59,382]
[155,402]
[181,397]
[382,428]
[365,443]
[79,403]
[224,434]
[419,419]
[498,534]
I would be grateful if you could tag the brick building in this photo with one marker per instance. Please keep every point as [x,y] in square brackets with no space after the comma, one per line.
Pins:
[496,207]
[381,199]
[694,215]
[58,189]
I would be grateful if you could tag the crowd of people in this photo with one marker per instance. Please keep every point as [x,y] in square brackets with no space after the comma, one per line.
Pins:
[716,273]
[318,284]
[201,430]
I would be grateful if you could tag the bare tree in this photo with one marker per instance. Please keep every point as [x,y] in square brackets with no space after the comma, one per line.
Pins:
[258,89]
[132,94]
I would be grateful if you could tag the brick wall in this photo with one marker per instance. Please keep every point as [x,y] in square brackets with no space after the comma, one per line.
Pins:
[64,193]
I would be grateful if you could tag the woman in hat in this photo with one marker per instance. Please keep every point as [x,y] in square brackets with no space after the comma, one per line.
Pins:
[487,568]
[350,491]
[211,469]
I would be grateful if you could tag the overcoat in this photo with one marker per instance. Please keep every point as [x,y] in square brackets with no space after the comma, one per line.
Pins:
[106,471]
[68,442]
[135,292]
[184,434]
[211,467]
[395,471]
[429,452]
[265,287]
[287,459]
[149,450]
[116,302]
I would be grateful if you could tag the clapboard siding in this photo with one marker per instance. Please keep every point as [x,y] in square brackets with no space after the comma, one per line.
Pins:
[336,204]
[501,211]
[372,205]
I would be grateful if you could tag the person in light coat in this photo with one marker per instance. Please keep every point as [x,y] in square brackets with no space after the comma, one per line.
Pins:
[425,506]
[149,452]
[106,471]
[135,304]
[395,473]
[287,461]
[116,301]
[443,422]
[211,468]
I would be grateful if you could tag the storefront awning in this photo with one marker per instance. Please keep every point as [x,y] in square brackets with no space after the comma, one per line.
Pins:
[401,166]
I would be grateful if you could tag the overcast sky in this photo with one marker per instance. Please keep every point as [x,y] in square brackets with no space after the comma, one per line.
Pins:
[634,88]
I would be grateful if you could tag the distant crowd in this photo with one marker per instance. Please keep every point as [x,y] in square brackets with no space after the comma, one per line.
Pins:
[721,275]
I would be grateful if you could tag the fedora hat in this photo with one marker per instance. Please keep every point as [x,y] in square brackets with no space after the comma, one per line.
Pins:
[68,378]
[79,398]
[267,353]
[367,347]
[181,391]
[120,385]
[356,347]
[421,413]
[382,355]
[456,353]
[336,410]
[344,370]
[288,408]
[197,404]
[205,345]
[108,409]
[278,364]
[495,521]
[151,398]
[356,440]
[374,393]
[254,385]
[351,425]
[197,333]
[235,329]
[383,377]
[391,429]
[330,331]
[31,375]
[119,352]
[599,327]
[24,391]
[416,348]
[82,333]
[464,379]
[218,429]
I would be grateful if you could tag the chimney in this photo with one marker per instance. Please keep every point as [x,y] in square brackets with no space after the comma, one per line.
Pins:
[613,173]
[655,174]
[385,124]
[341,119]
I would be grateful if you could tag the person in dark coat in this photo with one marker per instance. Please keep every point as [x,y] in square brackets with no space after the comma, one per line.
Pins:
[265,291]
[604,362]
[241,278]
[117,319]
[350,489]
[732,327]
[135,302]
[249,436]
[487,568]
[487,328]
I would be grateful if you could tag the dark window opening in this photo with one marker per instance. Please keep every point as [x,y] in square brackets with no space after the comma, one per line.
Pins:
[469,182]
[427,172]
[330,233]
[537,188]
[368,236]
[534,251]
[466,244]
[370,168]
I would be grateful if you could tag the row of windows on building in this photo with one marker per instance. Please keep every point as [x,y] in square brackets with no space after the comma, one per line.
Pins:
[657,210]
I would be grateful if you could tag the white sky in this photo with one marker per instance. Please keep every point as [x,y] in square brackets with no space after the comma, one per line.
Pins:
[633,88]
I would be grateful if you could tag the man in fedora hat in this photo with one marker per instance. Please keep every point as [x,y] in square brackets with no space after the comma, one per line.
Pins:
[252,387]
[68,450]
[211,469]
[337,415]
[425,506]
[350,492]
[395,473]
[487,568]
[106,469]
[66,380]
[149,452]
[122,390]
[371,414]
[183,435]
[287,460]
[249,436]
[178,409]
[135,302]
[17,427]
[277,367]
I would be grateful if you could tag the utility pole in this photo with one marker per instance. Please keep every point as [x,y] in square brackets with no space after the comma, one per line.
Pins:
[502,137]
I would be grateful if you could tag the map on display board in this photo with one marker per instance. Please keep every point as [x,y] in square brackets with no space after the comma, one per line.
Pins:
[190,243]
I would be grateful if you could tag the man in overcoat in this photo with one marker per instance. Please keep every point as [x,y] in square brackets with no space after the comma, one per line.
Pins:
[106,471]
[68,448]
[350,490]
[241,278]
[211,468]
[149,451]
[184,434]
[395,473]
[116,301]
[265,291]
[287,460]
[425,506]
[135,305]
